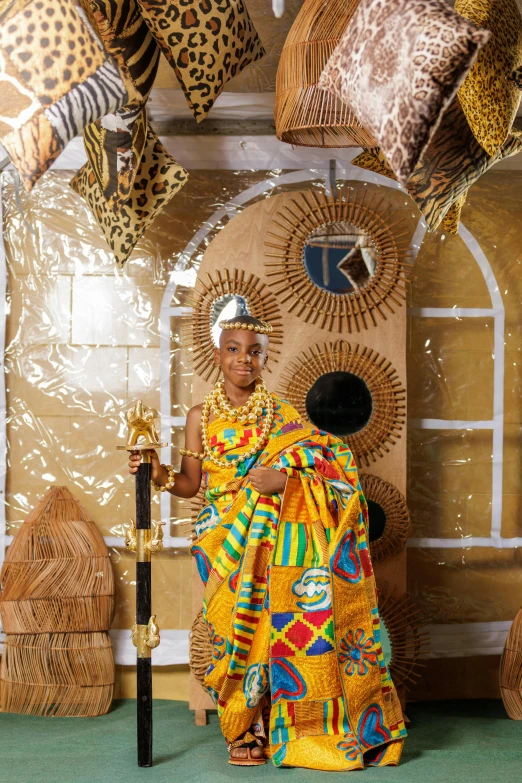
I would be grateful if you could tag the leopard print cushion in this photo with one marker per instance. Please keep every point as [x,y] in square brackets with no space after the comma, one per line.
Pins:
[452,163]
[398,66]
[55,79]
[158,179]
[127,38]
[114,146]
[516,77]
[489,100]
[207,43]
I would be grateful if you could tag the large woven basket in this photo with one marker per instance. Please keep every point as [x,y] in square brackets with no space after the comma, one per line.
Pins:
[56,607]
[511,670]
[57,675]
[57,575]
[304,115]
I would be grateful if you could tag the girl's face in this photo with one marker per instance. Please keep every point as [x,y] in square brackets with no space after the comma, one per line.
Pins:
[242,355]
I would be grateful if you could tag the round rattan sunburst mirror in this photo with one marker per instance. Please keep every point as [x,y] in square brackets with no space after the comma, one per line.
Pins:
[200,651]
[365,232]
[402,639]
[352,392]
[206,301]
[389,517]
[403,622]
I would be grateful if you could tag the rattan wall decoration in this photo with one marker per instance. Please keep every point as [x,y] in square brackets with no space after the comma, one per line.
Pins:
[354,311]
[197,327]
[511,670]
[388,395]
[57,574]
[57,675]
[404,622]
[200,651]
[56,606]
[305,115]
[397,527]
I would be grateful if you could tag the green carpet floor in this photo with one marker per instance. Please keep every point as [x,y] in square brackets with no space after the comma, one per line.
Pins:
[449,741]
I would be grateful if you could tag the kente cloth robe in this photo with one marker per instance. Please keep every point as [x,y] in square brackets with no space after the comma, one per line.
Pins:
[290,602]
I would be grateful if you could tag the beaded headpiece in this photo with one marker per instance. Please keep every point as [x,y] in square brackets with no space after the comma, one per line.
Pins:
[261,328]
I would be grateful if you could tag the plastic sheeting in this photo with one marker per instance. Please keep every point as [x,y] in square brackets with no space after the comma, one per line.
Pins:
[83,339]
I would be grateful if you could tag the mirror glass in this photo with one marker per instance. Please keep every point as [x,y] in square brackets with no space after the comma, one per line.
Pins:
[340,257]
[377,519]
[386,643]
[340,403]
[225,307]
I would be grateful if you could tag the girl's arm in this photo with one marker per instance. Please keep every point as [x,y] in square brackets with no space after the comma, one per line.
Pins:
[188,480]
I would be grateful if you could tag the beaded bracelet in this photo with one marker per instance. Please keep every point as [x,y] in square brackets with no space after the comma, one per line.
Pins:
[171,480]
[189,453]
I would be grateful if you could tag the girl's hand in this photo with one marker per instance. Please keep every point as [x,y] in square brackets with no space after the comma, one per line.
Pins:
[268,481]
[158,474]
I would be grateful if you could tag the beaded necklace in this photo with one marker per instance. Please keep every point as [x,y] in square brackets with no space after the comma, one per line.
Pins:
[217,402]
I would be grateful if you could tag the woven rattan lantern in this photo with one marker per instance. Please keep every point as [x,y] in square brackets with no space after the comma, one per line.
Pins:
[56,606]
[305,115]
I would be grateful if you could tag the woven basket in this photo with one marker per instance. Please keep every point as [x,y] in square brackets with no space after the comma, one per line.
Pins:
[304,115]
[57,675]
[57,574]
[511,670]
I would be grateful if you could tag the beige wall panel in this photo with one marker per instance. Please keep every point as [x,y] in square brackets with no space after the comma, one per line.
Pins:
[241,245]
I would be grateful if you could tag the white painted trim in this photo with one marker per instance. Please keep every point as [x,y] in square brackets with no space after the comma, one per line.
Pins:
[173,648]
[464,640]
[456,640]
[117,542]
[450,424]
[172,651]
[496,542]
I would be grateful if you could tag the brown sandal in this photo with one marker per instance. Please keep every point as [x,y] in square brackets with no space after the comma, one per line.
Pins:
[252,753]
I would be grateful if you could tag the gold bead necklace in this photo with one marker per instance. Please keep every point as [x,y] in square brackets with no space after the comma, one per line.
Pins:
[217,402]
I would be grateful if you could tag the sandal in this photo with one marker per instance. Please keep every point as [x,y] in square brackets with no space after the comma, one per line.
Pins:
[246,752]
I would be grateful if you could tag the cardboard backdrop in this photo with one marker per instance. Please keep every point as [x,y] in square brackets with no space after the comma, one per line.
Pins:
[82,338]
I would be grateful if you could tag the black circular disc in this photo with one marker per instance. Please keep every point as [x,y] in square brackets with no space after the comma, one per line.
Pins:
[340,403]
[377,519]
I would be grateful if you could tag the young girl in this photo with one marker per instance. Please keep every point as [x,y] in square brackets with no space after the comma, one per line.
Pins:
[297,672]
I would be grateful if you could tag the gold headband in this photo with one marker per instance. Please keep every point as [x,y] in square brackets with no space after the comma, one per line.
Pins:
[262,328]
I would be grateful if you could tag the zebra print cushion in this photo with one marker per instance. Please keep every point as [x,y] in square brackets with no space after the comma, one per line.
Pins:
[206,42]
[452,163]
[55,78]
[127,38]
[488,98]
[158,179]
[114,146]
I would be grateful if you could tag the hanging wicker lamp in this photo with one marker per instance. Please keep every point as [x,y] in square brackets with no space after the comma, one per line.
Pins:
[305,115]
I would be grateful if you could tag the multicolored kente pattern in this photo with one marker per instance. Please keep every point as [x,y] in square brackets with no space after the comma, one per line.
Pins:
[290,603]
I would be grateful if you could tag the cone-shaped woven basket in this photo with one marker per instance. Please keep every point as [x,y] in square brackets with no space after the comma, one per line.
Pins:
[57,575]
[57,675]
[304,115]
[511,670]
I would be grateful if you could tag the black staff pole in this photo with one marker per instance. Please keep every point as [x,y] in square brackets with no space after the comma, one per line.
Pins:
[145,632]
